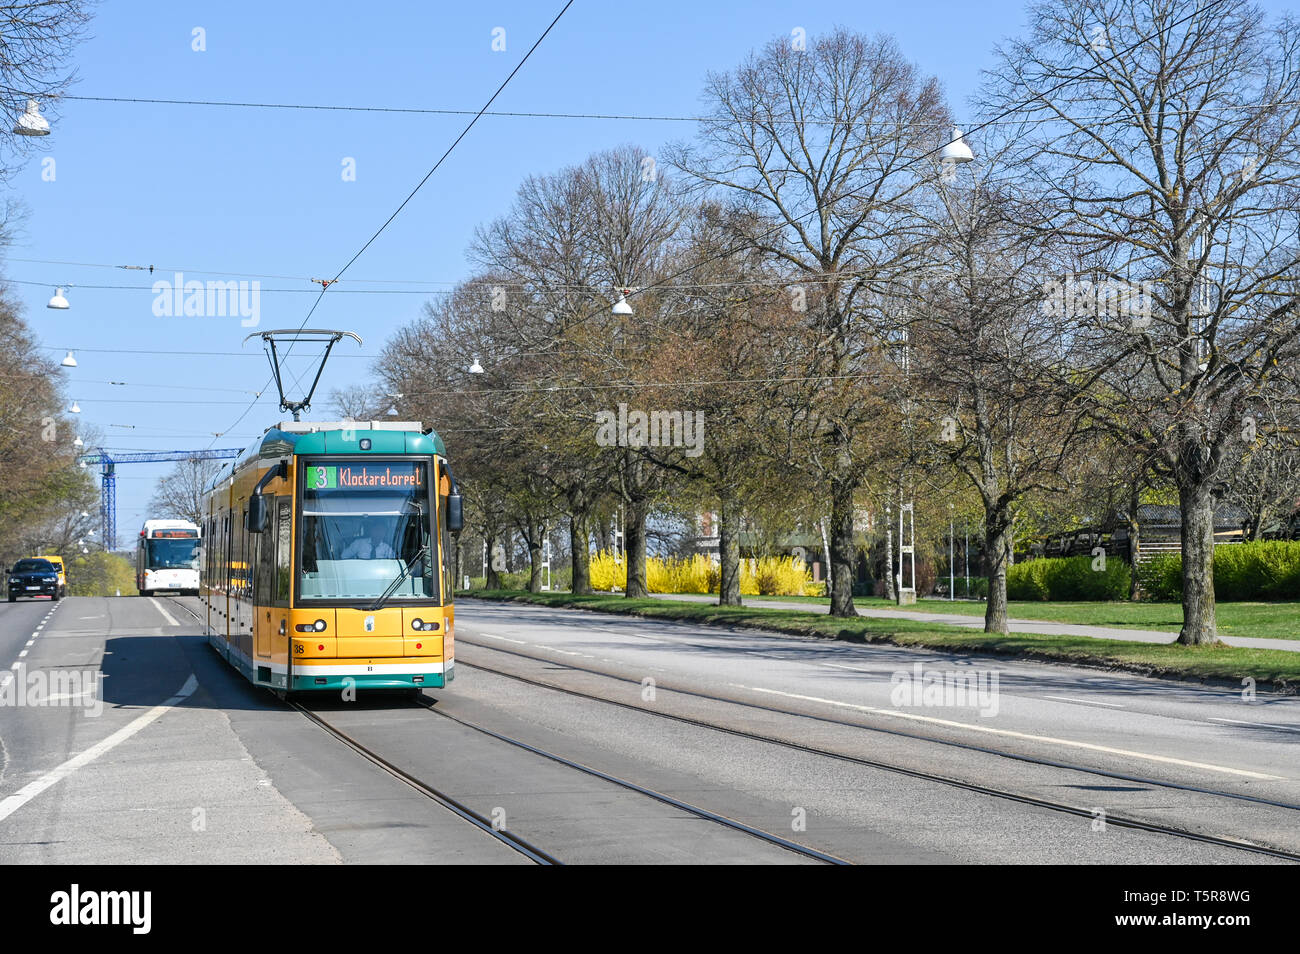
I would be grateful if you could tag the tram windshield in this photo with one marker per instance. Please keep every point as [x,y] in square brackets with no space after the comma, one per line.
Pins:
[362,523]
[182,554]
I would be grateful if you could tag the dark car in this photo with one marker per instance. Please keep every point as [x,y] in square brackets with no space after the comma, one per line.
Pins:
[33,578]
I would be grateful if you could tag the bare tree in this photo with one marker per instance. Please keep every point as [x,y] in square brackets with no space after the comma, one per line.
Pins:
[36,40]
[38,469]
[360,402]
[825,142]
[1266,482]
[1166,130]
[179,494]
[571,241]
[1006,404]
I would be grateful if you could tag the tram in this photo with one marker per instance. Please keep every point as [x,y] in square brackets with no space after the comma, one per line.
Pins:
[167,557]
[327,560]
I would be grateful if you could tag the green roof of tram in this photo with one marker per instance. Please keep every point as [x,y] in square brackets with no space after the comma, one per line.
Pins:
[278,442]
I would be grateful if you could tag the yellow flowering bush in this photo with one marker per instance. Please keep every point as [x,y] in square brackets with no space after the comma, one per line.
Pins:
[769,576]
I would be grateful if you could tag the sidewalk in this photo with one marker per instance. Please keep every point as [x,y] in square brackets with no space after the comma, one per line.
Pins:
[1042,627]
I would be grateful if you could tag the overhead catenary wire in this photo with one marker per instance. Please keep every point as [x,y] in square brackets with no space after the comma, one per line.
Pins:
[441,159]
[690,268]
[553,114]
[781,226]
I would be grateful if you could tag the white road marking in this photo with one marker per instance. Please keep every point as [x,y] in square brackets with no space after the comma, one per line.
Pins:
[166,615]
[504,639]
[1016,735]
[15,665]
[32,789]
[1086,702]
[849,668]
[1259,725]
[22,654]
[66,695]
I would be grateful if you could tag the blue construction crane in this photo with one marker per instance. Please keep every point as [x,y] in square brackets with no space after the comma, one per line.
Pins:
[108,461]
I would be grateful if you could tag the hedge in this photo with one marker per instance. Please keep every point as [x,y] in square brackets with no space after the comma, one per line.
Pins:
[1069,578]
[1259,570]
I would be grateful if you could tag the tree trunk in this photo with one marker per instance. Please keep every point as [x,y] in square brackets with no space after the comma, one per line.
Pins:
[995,552]
[534,569]
[1134,545]
[579,556]
[729,554]
[634,540]
[493,580]
[843,553]
[1197,507]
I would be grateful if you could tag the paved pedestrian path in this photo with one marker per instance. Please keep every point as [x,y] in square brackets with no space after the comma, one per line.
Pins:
[1039,626]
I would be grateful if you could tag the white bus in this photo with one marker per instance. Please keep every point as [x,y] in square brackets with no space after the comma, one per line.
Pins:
[167,557]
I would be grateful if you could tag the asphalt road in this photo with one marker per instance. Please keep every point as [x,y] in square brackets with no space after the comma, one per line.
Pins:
[173,757]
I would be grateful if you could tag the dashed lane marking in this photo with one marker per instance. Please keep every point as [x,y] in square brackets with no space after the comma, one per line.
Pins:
[1258,725]
[1086,702]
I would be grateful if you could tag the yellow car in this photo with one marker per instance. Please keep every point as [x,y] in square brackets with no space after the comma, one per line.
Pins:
[63,576]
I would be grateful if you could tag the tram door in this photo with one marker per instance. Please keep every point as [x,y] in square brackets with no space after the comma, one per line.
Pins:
[272,579]
[262,544]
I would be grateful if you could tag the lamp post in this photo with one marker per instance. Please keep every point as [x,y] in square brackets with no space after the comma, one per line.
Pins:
[965,549]
[952,579]
[32,123]
[955,152]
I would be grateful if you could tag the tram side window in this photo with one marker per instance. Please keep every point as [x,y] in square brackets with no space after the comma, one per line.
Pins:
[445,543]
[263,546]
[243,565]
[283,566]
[230,553]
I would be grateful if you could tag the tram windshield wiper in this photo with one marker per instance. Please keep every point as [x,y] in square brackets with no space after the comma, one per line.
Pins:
[392,587]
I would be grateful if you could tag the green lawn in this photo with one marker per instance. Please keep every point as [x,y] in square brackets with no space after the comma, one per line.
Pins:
[1264,620]
[1272,667]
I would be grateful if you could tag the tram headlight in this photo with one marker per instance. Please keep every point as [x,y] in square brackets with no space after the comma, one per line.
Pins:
[319,625]
[417,624]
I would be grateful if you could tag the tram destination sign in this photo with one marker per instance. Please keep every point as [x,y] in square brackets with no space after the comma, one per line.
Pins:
[367,475]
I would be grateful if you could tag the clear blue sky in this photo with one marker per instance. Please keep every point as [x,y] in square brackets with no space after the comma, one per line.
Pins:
[259,192]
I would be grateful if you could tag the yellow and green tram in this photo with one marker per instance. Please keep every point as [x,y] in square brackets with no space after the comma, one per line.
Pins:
[327,558]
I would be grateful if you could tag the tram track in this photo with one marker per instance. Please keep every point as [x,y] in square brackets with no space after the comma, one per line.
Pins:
[1120,821]
[697,811]
[528,850]
[541,856]
[524,847]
